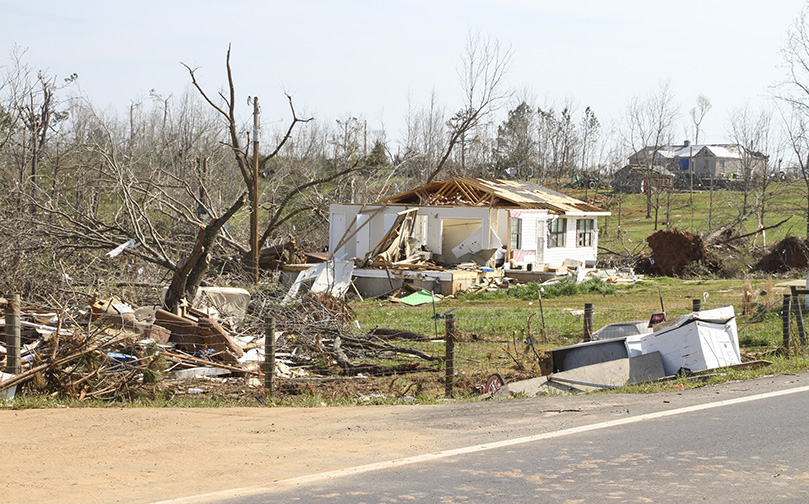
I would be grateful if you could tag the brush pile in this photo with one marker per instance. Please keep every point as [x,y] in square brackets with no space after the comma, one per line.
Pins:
[112,351]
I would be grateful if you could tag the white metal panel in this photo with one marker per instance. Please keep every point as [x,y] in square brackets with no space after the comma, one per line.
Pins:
[337,229]
[697,345]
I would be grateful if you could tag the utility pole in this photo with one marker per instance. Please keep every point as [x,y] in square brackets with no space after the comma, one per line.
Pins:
[254,198]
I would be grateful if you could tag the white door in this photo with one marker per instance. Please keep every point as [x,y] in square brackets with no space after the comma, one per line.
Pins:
[337,229]
[362,240]
[541,232]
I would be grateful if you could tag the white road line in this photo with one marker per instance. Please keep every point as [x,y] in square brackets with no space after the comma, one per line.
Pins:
[427,457]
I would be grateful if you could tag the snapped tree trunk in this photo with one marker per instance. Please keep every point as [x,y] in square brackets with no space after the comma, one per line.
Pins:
[191,270]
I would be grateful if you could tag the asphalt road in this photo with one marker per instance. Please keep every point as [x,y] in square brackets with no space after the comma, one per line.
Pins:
[755,451]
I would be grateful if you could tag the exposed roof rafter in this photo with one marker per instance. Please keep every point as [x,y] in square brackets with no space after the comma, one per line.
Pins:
[460,191]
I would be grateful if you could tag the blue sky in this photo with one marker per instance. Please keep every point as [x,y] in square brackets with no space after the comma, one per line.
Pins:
[369,58]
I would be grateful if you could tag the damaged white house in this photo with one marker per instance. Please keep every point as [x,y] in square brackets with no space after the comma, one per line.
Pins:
[463,220]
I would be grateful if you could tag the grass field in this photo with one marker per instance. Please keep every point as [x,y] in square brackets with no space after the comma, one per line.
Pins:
[703,212]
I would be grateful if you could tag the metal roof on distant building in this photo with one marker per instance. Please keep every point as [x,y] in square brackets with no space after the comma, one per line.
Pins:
[722,151]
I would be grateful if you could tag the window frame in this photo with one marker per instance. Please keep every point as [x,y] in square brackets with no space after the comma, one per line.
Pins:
[515,233]
[557,238]
[584,232]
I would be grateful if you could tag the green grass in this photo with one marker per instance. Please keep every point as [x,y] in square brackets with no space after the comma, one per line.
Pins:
[628,226]
[497,325]
[532,291]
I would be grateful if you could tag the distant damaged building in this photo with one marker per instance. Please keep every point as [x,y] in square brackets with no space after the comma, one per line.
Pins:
[703,163]
[634,179]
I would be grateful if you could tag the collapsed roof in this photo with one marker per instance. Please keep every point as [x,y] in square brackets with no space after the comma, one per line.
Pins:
[478,192]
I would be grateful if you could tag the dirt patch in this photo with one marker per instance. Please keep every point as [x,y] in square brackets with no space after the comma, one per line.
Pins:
[788,254]
[140,455]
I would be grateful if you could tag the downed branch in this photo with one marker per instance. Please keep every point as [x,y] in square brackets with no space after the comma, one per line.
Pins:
[383,332]
[757,231]
[386,347]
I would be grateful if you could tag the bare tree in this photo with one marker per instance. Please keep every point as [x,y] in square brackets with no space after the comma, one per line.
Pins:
[794,92]
[698,114]
[30,117]
[590,129]
[485,64]
[648,126]
[753,132]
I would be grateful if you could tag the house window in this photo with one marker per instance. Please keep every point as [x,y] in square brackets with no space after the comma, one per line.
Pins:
[515,240]
[584,232]
[557,229]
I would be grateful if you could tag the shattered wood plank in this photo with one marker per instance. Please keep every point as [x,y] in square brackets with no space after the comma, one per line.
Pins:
[200,334]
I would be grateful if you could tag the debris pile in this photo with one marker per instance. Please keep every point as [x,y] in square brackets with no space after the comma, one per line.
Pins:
[86,362]
[275,256]
[788,254]
[111,350]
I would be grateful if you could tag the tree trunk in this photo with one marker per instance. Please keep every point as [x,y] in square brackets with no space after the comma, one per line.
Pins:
[649,194]
[190,271]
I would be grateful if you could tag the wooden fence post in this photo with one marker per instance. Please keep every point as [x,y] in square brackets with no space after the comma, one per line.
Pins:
[12,313]
[269,357]
[785,311]
[796,308]
[449,358]
[696,304]
[588,321]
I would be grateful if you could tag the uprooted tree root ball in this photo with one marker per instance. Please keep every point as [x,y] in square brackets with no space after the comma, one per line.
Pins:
[788,254]
[674,250]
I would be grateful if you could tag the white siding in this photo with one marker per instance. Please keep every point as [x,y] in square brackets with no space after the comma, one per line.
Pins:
[493,232]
